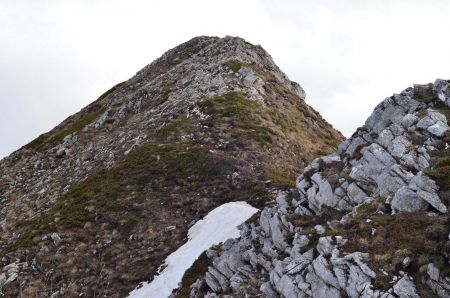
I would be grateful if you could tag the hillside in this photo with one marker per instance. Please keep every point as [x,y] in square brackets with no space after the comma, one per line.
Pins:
[370,220]
[93,207]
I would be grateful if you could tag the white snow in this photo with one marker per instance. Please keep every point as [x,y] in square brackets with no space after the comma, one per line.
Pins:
[218,225]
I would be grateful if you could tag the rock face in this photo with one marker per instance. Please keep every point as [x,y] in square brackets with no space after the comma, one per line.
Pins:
[370,220]
[95,205]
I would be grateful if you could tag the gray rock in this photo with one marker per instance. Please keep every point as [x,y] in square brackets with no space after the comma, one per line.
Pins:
[425,122]
[426,190]
[442,89]
[409,120]
[266,288]
[319,229]
[56,239]
[324,246]
[388,183]
[320,266]
[299,90]
[407,200]
[286,287]
[356,194]
[432,199]
[272,226]
[297,264]
[357,283]
[332,158]
[439,285]
[406,262]
[385,138]
[434,122]
[355,144]
[321,194]
[216,280]
[438,129]
[405,288]
[60,152]
[398,146]
[264,221]
[11,278]
[319,288]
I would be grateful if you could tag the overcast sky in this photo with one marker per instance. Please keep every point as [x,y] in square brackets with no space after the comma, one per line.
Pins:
[57,56]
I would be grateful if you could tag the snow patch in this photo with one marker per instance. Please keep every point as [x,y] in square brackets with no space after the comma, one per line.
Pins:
[218,225]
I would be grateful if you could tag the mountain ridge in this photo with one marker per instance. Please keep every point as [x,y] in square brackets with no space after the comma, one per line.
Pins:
[211,121]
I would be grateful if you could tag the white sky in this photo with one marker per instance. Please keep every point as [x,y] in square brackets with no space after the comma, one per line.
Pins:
[56,56]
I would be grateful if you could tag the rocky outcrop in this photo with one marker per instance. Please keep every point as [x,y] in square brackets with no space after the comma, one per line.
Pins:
[378,180]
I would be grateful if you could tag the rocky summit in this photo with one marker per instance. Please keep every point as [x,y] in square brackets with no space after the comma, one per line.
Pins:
[370,220]
[94,206]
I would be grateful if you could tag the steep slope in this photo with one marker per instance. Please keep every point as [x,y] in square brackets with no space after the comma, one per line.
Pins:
[368,221]
[94,206]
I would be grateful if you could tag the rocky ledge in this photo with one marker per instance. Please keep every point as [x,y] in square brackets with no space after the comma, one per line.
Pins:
[368,221]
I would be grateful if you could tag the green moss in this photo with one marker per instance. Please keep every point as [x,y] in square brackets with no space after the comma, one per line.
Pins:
[243,114]
[151,165]
[39,142]
[247,117]
[444,162]
[281,121]
[231,104]
[281,179]
[76,126]
[367,209]
[175,127]
[234,65]
[263,137]
[313,241]
[441,171]
[48,140]
[425,95]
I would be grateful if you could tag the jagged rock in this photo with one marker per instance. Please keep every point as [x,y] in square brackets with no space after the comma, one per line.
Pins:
[439,284]
[286,287]
[298,264]
[267,289]
[321,194]
[408,200]
[320,266]
[434,122]
[324,246]
[355,144]
[319,288]
[405,288]
[356,194]
[398,147]
[426,190]
[272,225]
[216,280]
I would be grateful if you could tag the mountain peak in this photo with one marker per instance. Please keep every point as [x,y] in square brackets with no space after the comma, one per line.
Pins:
[114,187]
